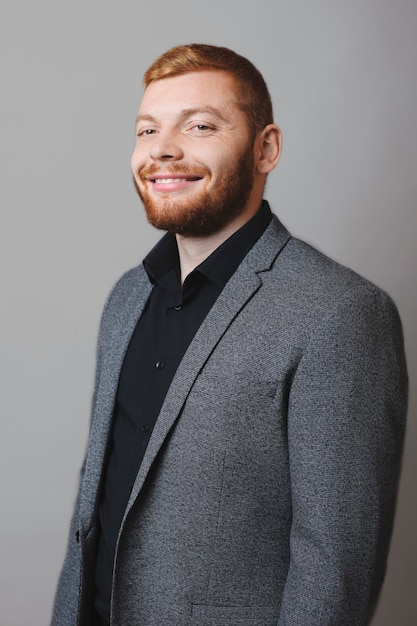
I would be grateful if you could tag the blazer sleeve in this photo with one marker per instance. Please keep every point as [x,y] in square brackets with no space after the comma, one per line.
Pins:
[67,595]
[346,423]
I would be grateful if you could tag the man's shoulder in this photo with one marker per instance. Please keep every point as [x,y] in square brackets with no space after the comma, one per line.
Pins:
[131,279]
[301,271]
[130,290]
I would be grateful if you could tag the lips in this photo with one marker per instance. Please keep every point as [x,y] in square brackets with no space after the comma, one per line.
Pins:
[166,182]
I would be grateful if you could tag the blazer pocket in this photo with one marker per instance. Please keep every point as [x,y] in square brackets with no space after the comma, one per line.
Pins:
[210,615]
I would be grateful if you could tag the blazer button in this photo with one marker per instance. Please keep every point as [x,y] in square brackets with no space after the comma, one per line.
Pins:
[77,536]
[159,365]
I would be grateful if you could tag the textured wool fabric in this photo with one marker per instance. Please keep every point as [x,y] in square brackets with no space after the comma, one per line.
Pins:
[267,491]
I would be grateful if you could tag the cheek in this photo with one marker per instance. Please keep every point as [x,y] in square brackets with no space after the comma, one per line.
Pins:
[133,161]
[137,160]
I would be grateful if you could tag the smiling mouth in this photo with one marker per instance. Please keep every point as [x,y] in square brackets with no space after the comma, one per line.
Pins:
[169,180]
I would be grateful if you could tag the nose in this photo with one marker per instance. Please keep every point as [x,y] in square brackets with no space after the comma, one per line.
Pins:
[166,147]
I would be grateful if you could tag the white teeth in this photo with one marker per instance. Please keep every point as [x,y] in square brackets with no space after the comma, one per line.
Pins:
[164,181]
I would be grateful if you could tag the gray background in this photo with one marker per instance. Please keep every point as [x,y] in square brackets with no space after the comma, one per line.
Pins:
[343,81]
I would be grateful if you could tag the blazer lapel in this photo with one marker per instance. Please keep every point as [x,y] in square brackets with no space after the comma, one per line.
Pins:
[240,288]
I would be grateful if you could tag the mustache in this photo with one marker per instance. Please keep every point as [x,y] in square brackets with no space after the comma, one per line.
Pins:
[179,168]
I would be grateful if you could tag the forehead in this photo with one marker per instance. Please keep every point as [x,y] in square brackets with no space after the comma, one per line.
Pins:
[191,91]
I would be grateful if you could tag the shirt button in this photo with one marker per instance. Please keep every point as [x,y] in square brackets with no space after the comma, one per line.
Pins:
[178,308]
[145,428]
[159,365]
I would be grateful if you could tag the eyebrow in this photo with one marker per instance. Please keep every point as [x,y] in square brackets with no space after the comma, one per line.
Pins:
[185,113]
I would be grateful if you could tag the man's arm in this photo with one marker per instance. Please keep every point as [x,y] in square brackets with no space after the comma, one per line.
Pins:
[346,425]
[66,601]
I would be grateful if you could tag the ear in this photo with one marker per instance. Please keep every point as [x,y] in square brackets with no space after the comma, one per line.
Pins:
[268,148]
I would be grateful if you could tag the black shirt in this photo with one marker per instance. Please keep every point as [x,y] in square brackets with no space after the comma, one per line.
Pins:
[172,316]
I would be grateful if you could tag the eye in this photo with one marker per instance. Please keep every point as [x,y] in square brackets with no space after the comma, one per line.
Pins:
[201,129]
[145,132]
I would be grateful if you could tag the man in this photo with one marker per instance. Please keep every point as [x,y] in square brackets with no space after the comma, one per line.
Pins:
[250,396]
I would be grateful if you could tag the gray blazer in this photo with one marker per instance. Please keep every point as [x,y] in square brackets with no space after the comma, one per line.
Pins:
[266,495]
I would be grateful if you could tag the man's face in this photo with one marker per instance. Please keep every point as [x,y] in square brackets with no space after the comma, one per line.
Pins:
[193,163]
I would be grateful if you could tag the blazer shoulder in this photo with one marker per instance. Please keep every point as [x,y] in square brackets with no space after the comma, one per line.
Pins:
[133,280]
[292,262]
[134,283]
[316,289]
[316,273]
